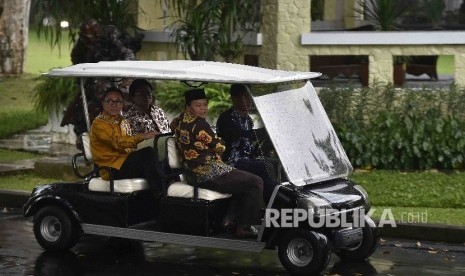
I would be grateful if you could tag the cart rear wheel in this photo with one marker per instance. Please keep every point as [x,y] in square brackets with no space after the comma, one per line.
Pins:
[366,248]
[54,229]
[304,252]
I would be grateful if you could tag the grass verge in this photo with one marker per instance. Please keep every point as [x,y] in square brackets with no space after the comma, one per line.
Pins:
[10,156]
[17,109]
[431,189]
[25,181]
[449,216]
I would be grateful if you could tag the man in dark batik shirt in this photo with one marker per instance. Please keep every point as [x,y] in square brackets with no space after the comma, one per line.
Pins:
[200,150]
[144,115]
[235,127]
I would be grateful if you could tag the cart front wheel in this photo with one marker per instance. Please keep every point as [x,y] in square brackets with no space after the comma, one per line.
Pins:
[304,252]
[54,229]
[368,245]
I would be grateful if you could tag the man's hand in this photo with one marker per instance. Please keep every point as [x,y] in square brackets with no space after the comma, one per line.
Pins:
[150,134]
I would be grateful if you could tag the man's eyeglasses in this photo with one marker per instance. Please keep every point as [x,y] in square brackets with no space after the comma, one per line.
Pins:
[110,102]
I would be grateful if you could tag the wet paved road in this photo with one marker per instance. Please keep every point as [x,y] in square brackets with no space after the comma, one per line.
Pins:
[21,255]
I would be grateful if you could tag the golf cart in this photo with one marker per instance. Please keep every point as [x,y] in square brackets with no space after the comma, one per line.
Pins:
[299,219]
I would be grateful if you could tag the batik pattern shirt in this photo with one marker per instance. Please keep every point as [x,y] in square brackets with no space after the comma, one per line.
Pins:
[111,142]
[199,147]
[237,131]
[142,122]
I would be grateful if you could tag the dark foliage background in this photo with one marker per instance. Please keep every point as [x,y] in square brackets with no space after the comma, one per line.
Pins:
[388,128]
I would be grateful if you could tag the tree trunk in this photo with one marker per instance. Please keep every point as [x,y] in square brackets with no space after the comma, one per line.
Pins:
[14,29]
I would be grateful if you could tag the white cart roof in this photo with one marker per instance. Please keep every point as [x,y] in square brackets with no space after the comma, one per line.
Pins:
[294,118]
[205,71]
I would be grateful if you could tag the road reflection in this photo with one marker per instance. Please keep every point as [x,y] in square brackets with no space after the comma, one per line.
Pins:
[101,256]
[21,255]
[126,257]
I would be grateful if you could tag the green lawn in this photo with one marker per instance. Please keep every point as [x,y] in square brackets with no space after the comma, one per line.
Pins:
[17,112]
[450,216]
[428,196]
[40,57]
[16,93]
[10,156]
[414,189]
[445,65]
[24,181]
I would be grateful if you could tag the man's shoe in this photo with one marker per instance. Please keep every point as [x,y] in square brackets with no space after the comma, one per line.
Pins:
[246,232]
[229,224]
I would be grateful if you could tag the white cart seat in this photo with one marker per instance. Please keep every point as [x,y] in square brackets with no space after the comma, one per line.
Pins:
[181,188]
[98,184]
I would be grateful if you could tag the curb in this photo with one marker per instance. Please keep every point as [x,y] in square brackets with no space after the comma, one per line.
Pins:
[11,169]
[425,231]
[414,231]
[13,198]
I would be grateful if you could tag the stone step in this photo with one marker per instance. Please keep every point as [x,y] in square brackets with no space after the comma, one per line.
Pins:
[38,144]
[6,169]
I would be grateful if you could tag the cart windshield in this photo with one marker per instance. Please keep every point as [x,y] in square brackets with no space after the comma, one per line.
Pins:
[301,133]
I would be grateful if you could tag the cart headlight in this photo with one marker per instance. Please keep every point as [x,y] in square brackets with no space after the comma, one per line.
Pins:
[364,194]
[313,203]
[362,191]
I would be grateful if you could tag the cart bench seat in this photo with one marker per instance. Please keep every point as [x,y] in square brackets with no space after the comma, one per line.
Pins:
[126,186]
[98,184]
[182,188]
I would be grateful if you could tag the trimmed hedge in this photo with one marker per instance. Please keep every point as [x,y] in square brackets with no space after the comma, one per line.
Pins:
[19,121]
[389,128]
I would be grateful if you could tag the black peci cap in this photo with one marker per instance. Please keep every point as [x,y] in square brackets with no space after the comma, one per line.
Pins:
[194,94]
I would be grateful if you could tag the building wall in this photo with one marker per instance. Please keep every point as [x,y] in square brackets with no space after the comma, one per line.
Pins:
[382,46]
[158,51]
[381,57]
[330,10]
[287,43]
[283,22]
[151,15]
[351,18]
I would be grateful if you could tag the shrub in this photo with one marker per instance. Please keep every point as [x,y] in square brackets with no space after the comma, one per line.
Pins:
[51,94]
[170,96]
[19,121]
[388,128]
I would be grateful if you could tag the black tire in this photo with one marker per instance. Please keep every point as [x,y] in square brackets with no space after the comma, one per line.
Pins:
[366,248]
[55,230]
[304,252]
